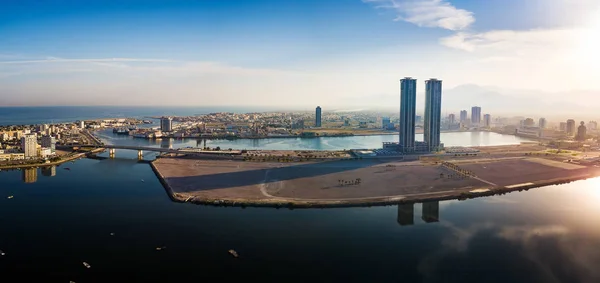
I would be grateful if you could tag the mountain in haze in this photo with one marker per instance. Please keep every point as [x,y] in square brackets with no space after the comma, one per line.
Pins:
[500,102]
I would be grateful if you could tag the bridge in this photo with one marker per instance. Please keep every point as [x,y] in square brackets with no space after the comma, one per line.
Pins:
[112,150]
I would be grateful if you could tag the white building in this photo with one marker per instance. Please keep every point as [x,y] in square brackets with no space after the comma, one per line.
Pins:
[29,145]
[82,124]
[46,152]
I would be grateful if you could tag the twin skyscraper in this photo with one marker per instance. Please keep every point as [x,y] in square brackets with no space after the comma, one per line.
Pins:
[432,119]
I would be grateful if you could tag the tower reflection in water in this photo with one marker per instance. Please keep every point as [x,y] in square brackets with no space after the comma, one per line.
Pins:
[49,171]
[29,175]
[431,213]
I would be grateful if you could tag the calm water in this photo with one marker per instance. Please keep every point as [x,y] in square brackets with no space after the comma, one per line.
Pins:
[323,143]
[51,226]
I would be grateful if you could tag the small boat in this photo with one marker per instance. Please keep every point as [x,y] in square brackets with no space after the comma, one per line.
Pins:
[2,253]
[142,180]
[87,265]
[233,253]
[9,197]
[68,168]
[161,248]
[112,234]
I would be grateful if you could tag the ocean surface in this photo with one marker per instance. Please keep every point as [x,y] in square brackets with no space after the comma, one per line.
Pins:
[59,114]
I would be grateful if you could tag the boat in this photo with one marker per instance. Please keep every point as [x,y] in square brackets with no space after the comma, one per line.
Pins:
[142,180]
[67,168]
[9,197]
[2,253]
[87,265]
[161,248]
[233,253]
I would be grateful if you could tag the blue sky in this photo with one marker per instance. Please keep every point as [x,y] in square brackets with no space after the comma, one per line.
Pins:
[203,50]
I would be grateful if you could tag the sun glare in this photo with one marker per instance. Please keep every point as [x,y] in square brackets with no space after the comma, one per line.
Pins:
[588,50]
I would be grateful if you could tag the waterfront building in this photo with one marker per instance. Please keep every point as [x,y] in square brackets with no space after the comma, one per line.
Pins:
[408,104]
[405,214]
[431,212]
[318,117]
[166,124]
[29,175]
[563,126]
[476,115]
[29,145]
[542,123]
[570,127]
[49,142]
[433,113]
[528,122]
[487,120]
[82,124]
[451,119]
[463,116]
[581,132]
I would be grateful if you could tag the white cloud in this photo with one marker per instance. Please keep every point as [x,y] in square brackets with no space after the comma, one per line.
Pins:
[428,13]
[62,60]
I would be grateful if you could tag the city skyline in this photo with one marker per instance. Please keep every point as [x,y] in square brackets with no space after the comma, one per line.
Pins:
[122,53]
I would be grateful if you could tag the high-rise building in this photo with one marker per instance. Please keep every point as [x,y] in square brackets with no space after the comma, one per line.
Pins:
[408,104]
[49,142]
[571,127]
[82,124]
[385,123]
[563,126]
[29,175]
[476,115]
[463,116]
[318,116]
[29,145]
[581,132]
[166,124]
[431,212]
[487,120]
[406,214]
[451,119]
[528,122]
[433,113]
[542,123]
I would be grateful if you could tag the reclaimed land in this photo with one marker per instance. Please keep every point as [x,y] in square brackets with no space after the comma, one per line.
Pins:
[366,182]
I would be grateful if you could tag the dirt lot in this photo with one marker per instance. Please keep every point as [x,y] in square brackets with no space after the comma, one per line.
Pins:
[519,171]
[321,180]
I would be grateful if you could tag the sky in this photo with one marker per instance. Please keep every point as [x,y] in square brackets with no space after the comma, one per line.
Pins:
[333,53]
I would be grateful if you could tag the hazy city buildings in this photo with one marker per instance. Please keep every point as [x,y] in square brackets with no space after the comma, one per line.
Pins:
[592,126]
[570,127]
[318,117]
[475,115]
[451,119]
[581,132]
[408,104]
[386,123]
[562,126]
[433,113]
[463,116]
[542,123]
[29,145]
[166,124]
[487,120]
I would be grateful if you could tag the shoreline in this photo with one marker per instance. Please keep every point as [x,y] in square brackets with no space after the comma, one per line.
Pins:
[386,182]
[70,158]
[359,202]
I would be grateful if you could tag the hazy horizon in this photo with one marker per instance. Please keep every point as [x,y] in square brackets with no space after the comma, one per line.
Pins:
[299,54]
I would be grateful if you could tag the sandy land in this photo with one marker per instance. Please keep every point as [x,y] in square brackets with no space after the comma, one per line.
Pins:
[363,181]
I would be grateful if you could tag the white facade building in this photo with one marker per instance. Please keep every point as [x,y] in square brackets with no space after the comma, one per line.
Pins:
[29,145]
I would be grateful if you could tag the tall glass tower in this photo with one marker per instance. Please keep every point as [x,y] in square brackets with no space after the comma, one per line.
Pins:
[318,117]
[433,113]
[408,103]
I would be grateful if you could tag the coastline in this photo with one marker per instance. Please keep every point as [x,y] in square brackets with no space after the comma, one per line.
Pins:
[67,159]
[253,184]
